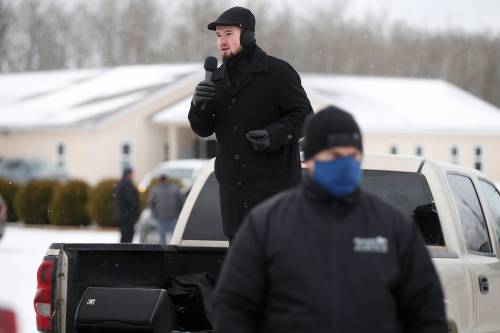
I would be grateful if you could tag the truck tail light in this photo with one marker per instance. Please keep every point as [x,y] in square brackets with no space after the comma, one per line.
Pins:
[44,298]
[7,321]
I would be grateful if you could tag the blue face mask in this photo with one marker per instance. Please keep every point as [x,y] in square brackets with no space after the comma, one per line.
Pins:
[340,177]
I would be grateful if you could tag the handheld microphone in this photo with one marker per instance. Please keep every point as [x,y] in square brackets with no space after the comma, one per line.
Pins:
[210,66]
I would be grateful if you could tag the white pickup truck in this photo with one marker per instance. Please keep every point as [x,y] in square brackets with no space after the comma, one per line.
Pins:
[457,210]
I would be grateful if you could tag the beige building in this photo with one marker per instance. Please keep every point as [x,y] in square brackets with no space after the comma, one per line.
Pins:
[94,122]
[430,118]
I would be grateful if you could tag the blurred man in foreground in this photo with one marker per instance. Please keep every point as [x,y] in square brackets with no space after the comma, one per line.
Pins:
[326,256]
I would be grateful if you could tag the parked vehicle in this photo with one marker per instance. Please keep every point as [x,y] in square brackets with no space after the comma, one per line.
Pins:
[183,170]
[145,228]
[22,170]
[457,210]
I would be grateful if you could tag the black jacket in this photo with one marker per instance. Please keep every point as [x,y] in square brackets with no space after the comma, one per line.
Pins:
[304,262]
[267,95]
[127,201]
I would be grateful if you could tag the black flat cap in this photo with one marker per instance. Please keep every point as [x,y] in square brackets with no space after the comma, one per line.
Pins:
[236,16]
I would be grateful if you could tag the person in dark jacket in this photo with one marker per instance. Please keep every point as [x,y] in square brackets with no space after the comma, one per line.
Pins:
[127,205]
[326,256]
[165,201]
[256,106]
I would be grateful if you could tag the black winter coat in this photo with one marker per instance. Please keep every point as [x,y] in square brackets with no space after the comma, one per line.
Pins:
[127,201]
[304,262]
[268,95]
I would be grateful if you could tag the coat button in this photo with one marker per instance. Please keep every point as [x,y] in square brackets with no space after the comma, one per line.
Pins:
[237,156]
[233,100]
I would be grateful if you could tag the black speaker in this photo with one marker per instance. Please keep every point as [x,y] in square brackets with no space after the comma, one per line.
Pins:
[125,310]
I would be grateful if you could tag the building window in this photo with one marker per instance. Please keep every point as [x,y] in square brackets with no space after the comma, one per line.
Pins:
[419,150]
[60,155]
[478,158]
[126,154]
[454,155]
[394,150]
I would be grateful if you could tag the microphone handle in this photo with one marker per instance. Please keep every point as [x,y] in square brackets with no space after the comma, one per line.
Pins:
[208,77]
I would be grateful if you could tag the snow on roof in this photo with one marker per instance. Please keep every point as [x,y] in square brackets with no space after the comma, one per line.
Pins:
[70,98]
[387,105]
[176,113]
[403,105]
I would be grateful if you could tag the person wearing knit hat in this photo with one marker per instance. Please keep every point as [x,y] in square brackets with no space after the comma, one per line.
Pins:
[256,106]
[332,151]
[327,256]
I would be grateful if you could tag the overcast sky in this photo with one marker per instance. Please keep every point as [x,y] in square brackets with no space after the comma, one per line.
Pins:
[478,16]
[470,15]
[481,16]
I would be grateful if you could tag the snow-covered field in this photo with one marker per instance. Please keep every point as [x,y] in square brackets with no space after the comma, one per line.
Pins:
[21,252]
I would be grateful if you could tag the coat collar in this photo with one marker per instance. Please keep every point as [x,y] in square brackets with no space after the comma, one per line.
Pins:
[316,193]
[258,63]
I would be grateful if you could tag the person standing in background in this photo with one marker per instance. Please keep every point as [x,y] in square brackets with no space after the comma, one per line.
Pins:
[127,205]
[165,201]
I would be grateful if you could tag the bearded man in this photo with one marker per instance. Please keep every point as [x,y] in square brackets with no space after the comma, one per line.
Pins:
[255,104]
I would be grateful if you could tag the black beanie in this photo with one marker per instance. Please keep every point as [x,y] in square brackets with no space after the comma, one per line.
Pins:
[328,128]
[236,16]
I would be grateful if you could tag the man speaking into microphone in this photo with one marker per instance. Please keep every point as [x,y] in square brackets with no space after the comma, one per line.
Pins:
[255,105]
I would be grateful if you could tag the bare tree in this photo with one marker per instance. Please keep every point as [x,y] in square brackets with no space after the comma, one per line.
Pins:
[4,24]
[107,31]
[38,34]
[141,29]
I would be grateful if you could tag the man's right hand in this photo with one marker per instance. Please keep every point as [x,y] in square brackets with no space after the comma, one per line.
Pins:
[204,93]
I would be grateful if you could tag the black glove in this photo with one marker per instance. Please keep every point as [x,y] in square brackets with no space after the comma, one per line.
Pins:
[259,139]
[204,93]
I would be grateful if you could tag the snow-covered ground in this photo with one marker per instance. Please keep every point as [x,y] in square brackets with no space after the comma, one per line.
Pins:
[21,252]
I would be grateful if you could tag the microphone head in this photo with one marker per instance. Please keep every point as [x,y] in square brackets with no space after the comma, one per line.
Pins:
[210,64]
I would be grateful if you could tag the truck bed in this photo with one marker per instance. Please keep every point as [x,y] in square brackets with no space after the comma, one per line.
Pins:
[130,265]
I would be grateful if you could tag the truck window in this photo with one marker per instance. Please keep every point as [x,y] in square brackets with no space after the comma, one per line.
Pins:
[493,199]
[410,192]
[406,190]
[471,214]
[205,221]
